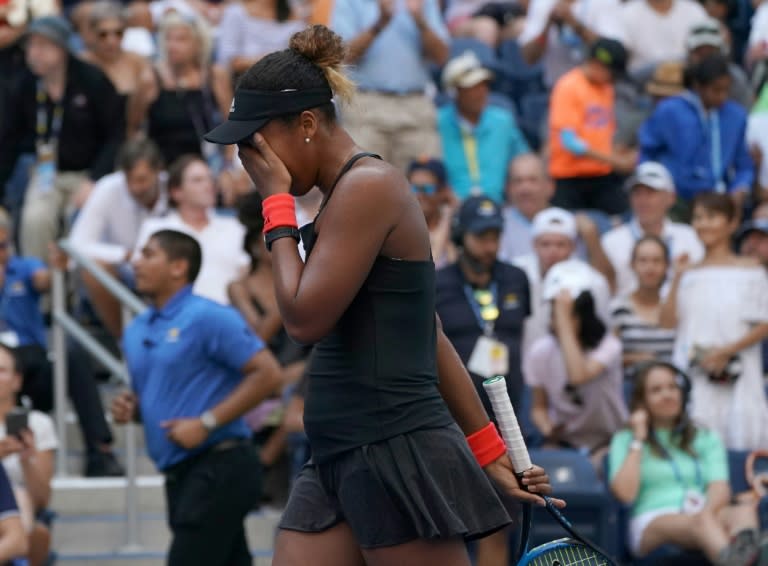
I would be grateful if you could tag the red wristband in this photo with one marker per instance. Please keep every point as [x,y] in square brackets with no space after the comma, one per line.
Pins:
[279,211]
[486,444]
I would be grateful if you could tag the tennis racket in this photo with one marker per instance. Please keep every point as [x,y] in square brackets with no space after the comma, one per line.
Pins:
[577,550]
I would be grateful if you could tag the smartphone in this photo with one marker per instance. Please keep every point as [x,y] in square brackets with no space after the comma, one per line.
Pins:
[16,421]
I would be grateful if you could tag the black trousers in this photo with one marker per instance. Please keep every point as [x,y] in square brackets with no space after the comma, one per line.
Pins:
[208,498]
[604,193]
[82,388]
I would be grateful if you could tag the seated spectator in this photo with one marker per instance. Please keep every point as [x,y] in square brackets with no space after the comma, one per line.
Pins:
[705,39]
[478,139]
[391,46]
[68,112]
[250,29]
[674,474]
[680,131]
[752,240]
[575,371]
[130,73]
[651,196]
[554,240]
[188,95]
[427,178]
[636,317]
[559,32]
[28,459]
[192,195]
[13,539]
[667,22]
[582,126]
[24,280]
[718,345]
[108,225]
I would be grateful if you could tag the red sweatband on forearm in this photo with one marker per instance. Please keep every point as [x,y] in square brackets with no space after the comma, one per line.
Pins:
[278,211]
[486,445]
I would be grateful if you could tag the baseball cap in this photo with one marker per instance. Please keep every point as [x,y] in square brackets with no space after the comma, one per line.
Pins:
[759,225]
[252,109]
[554,220]
[610,53]
[571,275]
[705,33]
[479,214]
[53,28]
[465,71]
[654,175]
[667,79]
[434,166]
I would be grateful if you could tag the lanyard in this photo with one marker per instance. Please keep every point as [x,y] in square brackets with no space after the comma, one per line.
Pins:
[42,117]
[484,305]
[469,142]
[676,469]
[717,156]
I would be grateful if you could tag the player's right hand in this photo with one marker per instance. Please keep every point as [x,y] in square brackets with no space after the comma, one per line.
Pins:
[124,407]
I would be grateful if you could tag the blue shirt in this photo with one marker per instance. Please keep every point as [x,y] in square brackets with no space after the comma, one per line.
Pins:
[497,140]
[19,302]
[185,359]
[395,60]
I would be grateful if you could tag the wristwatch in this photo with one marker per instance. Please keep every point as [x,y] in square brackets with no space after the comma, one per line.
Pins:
[209,421]
[636,444]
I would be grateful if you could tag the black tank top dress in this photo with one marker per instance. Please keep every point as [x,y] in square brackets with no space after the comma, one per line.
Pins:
[387,457]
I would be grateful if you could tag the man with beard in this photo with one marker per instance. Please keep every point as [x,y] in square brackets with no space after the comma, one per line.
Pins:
[483,304]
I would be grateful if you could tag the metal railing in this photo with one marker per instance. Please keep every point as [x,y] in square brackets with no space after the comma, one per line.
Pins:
[63,325]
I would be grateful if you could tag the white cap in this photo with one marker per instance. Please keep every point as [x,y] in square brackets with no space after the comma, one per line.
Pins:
[654,175]
[705,33]
[554,220]
[465,71]
[572,275]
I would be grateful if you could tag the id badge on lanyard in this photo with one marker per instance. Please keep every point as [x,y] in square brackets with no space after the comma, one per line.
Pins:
[694,498]
[490,357]
[47,145]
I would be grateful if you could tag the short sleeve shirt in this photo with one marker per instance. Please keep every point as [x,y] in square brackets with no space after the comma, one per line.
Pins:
[19,302]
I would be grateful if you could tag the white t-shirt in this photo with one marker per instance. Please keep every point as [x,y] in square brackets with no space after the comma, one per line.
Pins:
[619,242]
[565,51]
[42,427]
[652,37]
[222,243]
[759,31]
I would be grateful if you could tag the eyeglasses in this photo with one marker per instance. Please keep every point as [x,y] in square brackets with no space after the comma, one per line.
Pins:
[105,33]
[424,189]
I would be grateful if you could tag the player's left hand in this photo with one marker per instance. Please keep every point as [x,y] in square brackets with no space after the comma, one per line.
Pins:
[535,482]
[187,433]
[268,173]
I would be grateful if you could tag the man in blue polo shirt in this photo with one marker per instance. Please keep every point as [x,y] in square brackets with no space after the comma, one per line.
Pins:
[196,368]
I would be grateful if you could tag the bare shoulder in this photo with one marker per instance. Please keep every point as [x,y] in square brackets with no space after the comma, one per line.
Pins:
[374,179]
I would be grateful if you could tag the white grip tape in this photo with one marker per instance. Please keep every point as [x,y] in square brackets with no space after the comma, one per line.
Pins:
[496,388]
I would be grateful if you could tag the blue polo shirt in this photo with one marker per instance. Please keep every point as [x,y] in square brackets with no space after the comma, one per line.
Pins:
[185,359]
[20,301]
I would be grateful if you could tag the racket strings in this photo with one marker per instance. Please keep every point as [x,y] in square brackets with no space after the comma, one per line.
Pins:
[570,555]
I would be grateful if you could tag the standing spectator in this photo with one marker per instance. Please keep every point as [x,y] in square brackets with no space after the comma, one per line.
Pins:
[559,32]
[28,458]
[13,540]
[651,196]
[700,136]
[582,126]
[428,182]
[636,317]
[720,309]
[479,139]
[674,474]
[575,371]
[705,39]
[67,111]
[188,94]
[250,29]
[107,228]
[668,22]
[195,369]
[482,304]
[192,194]
[390,47]
[489,22]
[129,72]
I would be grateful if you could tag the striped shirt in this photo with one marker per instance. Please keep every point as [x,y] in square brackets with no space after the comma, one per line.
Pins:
[637,335]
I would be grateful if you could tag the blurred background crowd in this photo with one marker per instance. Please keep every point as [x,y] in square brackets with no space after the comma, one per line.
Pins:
[592,174]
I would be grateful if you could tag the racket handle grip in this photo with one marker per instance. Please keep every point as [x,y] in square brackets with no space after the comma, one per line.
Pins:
[496,388]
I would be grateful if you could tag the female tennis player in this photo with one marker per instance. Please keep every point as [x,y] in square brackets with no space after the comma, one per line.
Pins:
[393,479]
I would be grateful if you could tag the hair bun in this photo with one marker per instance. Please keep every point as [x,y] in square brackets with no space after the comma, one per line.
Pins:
[327,50]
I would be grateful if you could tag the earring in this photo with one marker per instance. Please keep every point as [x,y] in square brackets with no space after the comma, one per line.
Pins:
[306,140]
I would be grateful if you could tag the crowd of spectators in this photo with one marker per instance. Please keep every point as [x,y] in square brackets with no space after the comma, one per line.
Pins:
[593,173]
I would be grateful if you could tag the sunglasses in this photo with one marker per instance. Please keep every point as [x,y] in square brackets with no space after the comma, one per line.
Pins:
[105,33]
[424,189]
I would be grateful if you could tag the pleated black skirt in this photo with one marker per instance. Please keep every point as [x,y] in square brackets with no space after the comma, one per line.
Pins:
[422,485]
